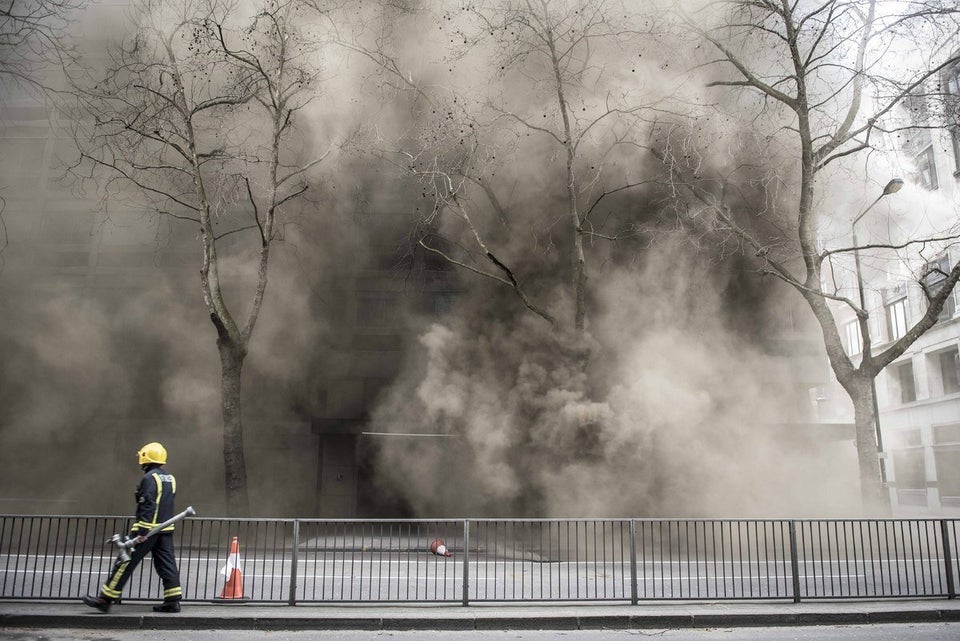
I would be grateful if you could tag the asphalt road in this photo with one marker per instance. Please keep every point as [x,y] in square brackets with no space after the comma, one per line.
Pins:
[876,632]
[366,577]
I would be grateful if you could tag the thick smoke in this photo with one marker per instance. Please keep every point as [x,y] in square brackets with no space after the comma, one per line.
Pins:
[679,409]
[678,413]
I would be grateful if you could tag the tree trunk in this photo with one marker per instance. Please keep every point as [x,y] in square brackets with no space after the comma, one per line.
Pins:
[235,469]
[874,496]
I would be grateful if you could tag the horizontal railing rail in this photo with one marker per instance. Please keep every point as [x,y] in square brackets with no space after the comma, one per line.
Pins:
[303,561]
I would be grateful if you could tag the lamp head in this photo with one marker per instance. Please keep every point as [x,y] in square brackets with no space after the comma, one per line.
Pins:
[893,186]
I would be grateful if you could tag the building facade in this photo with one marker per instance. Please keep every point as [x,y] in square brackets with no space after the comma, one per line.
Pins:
[918,395]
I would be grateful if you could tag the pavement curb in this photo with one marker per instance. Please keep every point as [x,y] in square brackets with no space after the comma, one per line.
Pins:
[475,622]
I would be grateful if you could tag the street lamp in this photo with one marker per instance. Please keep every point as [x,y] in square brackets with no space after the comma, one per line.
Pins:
[891,187]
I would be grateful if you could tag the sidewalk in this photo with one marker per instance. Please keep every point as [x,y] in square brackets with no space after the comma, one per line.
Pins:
[202,616]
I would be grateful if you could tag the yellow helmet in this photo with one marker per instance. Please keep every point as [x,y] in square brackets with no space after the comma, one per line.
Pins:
[152,453]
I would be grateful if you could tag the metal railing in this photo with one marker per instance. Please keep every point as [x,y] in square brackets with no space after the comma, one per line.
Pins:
[298,561]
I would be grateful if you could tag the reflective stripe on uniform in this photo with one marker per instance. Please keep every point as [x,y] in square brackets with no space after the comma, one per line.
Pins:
[109,588]
[156,507]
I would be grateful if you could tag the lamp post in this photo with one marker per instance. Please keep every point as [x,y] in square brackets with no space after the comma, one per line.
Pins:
[891,187]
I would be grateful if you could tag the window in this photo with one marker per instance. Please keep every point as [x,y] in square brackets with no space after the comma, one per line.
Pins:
[946,455]
[950,371]
[854,342]
[897,318]
[936,273]
[955,139]
[946,434]
[951,99]
[927,169]
[376,309]
[908,387]
[909,468]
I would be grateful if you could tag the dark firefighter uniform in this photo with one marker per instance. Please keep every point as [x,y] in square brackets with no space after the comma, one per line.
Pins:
[155,504]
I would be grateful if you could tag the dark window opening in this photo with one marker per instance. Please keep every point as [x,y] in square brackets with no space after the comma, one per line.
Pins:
[908,387]
[950,371]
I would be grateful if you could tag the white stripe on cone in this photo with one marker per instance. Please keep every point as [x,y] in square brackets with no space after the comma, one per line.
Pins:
[233,563]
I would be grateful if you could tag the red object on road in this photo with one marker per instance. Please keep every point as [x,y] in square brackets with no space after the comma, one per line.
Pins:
[439,548]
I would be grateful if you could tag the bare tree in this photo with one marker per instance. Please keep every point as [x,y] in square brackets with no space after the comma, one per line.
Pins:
[546,86]
[34,35]
[195,115]
[817,85]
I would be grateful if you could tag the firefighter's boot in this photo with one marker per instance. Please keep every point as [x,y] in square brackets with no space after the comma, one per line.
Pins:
[97,602]
[168,606]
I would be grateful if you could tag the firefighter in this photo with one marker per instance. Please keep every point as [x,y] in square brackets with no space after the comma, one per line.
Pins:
[155,504]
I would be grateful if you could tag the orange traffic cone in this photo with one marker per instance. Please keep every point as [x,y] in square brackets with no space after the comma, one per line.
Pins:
[438,548]
[233,588]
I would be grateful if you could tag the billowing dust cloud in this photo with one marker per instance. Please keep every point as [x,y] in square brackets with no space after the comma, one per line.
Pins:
[678,413]
[678,410]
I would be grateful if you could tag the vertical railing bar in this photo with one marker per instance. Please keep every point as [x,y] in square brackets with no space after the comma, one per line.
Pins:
[342,554]
[586,555]
[294,557]
[868,554]
[823,569]
[513,561]
[567,539]
[314,559]
[669,551]
[710,555]
[741,526]
[784,527]
[576,555]
[466,562]
[913,553]
[634,575]
[930,564]
[376,547]
[794,561]
[831,525]
[419,565]
[733,559]
[46,554]
[886,542]
[846,559]
[914,544]
[59,538]
[726,576]
[324,529]
[442,580]
[199,546]
[73,555]
[766,557]
[280,542]
[913,558]
[260,535]
[51,554]
[16,567]
[600,549]
[713,548]
[947,560]
[900,550]
[4,528]
[663,572]
[75,525]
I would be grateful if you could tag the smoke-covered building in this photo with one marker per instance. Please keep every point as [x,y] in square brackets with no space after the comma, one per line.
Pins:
[919,393]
